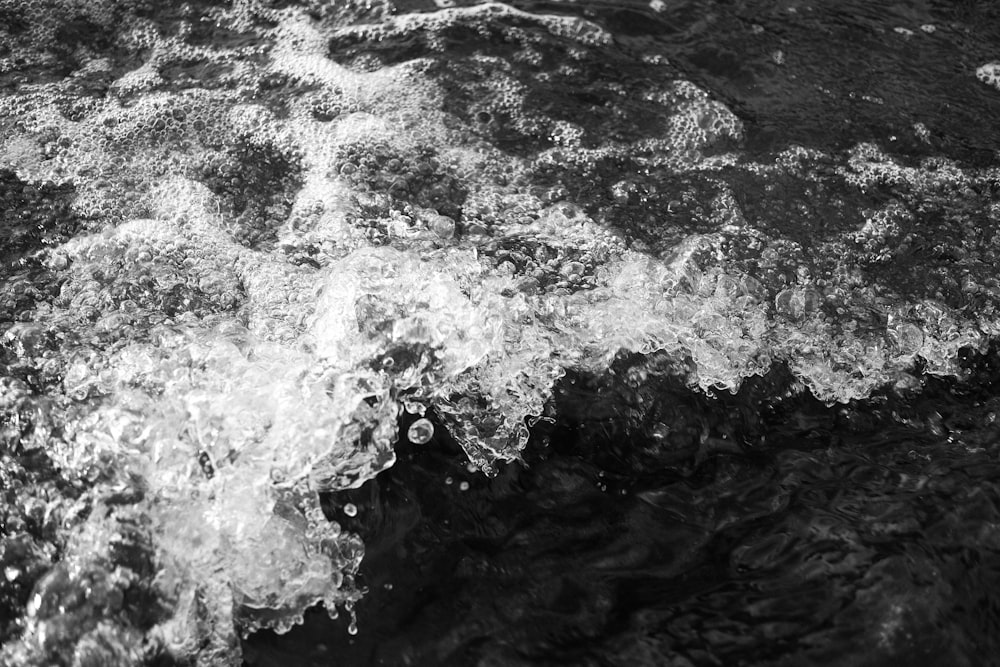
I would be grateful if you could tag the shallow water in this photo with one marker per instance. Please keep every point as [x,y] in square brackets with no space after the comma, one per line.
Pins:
[693,304]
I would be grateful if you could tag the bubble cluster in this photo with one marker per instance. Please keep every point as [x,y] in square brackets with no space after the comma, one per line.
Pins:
[989,74]
[413,177]
[145,272]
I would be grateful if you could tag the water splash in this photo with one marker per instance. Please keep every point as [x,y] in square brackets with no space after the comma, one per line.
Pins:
[286,229]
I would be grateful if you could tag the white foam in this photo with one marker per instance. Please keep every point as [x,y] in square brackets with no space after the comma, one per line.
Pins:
[989,74]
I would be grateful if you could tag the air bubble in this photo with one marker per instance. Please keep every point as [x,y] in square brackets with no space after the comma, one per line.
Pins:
[442,226]
[908,337]
[420,432]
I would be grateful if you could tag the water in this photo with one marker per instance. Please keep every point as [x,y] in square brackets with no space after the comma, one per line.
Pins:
[473,333]
[777,530]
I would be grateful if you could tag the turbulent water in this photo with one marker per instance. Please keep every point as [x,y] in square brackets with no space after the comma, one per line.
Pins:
[453,333]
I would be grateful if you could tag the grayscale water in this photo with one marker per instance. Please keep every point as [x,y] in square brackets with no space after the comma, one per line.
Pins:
[459,333]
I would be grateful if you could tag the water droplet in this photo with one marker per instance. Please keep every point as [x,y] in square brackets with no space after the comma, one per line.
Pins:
[464,486]
[442,226]
[350,509]
[420,432]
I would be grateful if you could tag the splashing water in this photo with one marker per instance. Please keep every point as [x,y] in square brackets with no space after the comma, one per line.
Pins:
[241,242]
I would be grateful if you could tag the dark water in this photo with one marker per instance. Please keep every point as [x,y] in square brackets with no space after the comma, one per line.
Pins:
[649,521]
[761,529]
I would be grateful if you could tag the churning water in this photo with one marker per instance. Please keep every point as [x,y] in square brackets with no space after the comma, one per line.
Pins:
[461,333]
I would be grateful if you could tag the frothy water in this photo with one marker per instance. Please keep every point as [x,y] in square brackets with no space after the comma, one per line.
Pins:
[244,243]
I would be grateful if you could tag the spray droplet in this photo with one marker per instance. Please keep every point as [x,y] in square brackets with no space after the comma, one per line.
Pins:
[464,486]
[350,509]
[420,432]
[352,627]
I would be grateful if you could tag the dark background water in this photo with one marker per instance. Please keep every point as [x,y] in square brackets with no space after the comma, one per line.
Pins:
[650,524]
[763,528]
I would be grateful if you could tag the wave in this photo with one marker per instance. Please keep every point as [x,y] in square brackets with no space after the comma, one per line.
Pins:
[256,246]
